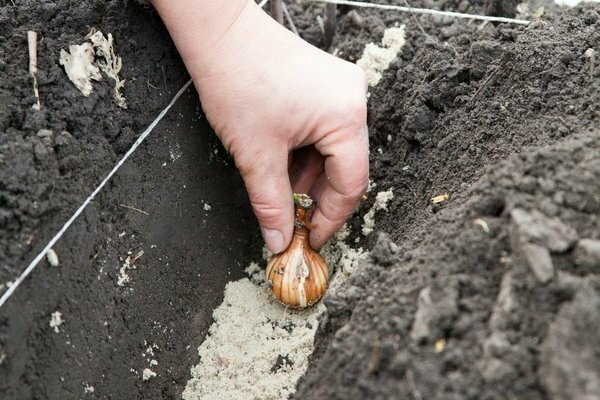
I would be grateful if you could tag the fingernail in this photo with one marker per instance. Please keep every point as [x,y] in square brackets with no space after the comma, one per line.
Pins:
[273,239]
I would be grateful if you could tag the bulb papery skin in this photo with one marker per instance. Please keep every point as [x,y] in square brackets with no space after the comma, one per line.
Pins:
[299,275]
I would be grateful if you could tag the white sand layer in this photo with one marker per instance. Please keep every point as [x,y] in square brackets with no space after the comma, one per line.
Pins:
[255,349]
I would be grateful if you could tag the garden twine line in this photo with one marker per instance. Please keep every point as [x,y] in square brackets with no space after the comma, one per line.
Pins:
[9,292]
[6,295]
[425,11]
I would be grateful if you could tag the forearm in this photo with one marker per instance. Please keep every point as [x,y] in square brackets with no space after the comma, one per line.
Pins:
[199,21]
[203,29]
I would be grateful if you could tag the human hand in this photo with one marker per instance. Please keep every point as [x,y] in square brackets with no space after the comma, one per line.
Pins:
[266,93]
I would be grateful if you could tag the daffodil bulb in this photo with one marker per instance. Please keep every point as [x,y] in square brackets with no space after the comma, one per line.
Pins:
[299,274]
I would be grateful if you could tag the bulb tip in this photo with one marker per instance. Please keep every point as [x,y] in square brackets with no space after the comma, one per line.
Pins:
[303,200]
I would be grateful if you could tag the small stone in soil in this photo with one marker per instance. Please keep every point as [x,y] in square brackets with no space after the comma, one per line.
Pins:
[506,305]
[52,258]
[535,227]
[569,363]
[436,312]
[587,253]
[539,260]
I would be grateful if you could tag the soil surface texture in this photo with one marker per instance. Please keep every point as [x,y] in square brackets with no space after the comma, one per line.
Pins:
[492,293]
[179,199]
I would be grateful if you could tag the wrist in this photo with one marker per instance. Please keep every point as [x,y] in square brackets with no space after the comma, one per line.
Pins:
[216,34]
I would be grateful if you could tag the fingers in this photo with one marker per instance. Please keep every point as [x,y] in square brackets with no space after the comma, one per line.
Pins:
[268,185]
[341,186]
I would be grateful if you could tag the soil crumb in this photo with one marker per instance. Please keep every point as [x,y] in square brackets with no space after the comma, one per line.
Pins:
[376,59]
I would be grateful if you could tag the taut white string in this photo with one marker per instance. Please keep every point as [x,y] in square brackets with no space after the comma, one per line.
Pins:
[9,292]
[6,295]
[425,11]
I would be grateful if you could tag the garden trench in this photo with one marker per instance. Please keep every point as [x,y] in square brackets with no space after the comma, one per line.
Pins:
[453,302]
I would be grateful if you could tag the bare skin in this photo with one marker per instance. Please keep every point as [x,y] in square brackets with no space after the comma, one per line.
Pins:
[267,93]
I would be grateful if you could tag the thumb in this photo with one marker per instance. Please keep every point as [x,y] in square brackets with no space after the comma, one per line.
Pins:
[268,185]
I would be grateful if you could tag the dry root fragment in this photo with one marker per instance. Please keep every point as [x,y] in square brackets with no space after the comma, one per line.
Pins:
[80,68]
[109,62]
[84,62]
[32,45]
[440,198]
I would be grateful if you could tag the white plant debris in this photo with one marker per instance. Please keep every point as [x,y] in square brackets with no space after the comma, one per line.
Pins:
[129,263]
[123,278]
[52,258]
[207,207]
[376,59]
[32,45]
[109,63]
[381,203]
[88,389]
[147,374]
[80,68]
[56,321]
[84,62]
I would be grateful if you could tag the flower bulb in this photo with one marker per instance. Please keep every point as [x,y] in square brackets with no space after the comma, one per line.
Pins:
[299,274]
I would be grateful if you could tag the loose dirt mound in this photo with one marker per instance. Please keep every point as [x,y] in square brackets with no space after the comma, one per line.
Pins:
[512,304]
[495,293]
